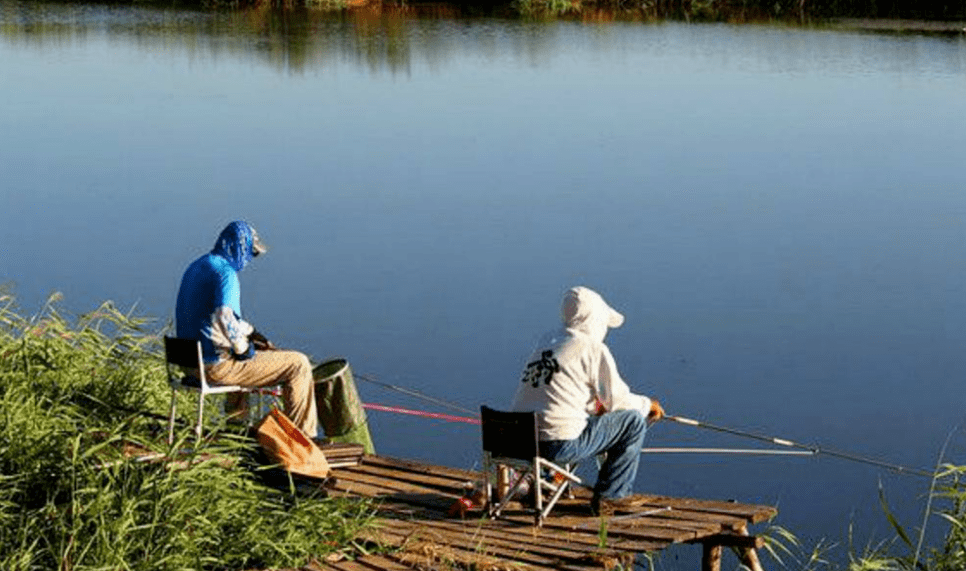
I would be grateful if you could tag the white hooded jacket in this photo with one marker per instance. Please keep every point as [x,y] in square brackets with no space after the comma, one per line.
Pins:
[572,374]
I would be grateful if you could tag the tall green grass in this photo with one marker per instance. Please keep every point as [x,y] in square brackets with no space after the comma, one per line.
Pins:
[73,394]
[903,551]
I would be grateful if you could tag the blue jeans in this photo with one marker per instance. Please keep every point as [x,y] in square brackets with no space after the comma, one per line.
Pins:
[621,435]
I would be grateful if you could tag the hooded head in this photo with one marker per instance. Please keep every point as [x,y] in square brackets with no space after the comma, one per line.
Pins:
[585,310]
[238,243]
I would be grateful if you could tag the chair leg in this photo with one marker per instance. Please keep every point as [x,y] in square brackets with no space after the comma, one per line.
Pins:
[515,488]
[558,492]
[174,403]
[537,490]
[570,490]
[487,493]
[201,414]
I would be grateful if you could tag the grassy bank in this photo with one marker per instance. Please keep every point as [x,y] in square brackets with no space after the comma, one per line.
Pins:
[73,394]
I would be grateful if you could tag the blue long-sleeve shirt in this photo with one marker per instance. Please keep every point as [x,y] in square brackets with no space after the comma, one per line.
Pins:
[209,299]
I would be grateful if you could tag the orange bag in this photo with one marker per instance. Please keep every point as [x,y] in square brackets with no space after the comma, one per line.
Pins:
[288,446]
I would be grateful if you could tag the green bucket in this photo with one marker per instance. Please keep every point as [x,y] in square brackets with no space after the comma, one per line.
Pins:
[337,402]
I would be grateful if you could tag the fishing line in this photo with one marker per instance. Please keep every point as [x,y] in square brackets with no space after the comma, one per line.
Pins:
[814,449]
[414,393]
[437,415]
[802,449]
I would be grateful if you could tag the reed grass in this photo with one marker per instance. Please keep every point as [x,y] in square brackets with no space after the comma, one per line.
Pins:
[73,395]
[900,552]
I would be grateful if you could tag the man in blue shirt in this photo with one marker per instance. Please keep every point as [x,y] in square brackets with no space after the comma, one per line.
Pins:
[209,310]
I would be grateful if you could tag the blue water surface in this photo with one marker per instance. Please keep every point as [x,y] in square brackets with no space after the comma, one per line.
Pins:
[778,211]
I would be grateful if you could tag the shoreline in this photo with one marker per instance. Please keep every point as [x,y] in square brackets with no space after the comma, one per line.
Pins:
[899,25]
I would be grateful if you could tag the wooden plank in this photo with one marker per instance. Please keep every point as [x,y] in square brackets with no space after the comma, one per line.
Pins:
[383,563]
[429,480]
[413,500]
[538,542]
[587,538]
[723,520]
[641,518]
[353,485]
[446,477]
[418,467]
[501,530]
[360,489]
[671,519]
[569,523]
[637,536]
[395,485]
[732,540]
[752,513]
[348,565]
[687,517]
[469,550]
[343,447]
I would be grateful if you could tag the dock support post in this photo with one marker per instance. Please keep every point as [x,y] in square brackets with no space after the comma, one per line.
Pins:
[748,555]
[711,557]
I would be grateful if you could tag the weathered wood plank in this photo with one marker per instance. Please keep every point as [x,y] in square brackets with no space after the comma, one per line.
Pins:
[474,551]
[542,543]
[565,541]
[395,486]
[452,485]
[571,523]
[587,539]
[355,488]
[384,562]
[732,540]
[418,467]
[666,515]
[516,531]
[752,513]
[413,501]
[348,565]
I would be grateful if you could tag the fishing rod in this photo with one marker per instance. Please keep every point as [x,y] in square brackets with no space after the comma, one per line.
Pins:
[415,393]
[736,451]
[422,413]
[812,450]
[801,449]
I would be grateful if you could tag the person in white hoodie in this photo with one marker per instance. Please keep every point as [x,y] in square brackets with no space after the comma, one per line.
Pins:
[585,407]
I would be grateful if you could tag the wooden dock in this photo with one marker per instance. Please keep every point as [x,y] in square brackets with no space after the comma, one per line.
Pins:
[416,519]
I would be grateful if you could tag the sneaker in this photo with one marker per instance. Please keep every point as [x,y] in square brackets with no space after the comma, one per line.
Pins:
[608,506]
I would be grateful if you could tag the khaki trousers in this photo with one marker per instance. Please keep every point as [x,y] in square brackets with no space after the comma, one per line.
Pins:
[290,369]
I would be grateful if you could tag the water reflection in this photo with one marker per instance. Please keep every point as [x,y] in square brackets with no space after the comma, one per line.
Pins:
[392,37]
[294,40]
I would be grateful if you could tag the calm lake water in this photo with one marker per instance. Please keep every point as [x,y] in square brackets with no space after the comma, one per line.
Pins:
[779,213]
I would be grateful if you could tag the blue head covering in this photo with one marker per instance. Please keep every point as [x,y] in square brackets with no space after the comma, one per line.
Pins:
[237,244]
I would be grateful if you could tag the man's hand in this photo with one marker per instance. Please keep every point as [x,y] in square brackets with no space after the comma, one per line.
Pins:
[657,411]
[260,342]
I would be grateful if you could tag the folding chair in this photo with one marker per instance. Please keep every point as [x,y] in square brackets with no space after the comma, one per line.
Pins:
[512,439]
[186,353]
